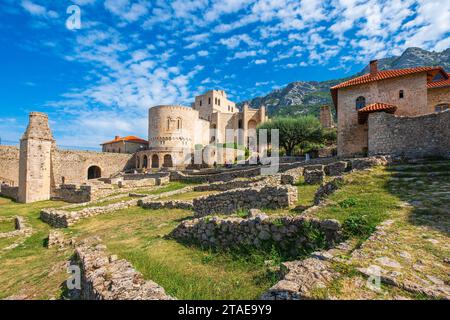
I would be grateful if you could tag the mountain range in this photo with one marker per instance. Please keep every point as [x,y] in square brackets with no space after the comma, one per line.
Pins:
[306,97]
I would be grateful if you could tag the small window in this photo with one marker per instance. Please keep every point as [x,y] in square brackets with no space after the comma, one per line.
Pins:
[168,123]
[209,100]
[441,107]
[219,101]
[360,103]
[200,103]
[401,94]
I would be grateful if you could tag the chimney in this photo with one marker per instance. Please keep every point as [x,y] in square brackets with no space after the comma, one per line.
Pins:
[116,138]
[373,68]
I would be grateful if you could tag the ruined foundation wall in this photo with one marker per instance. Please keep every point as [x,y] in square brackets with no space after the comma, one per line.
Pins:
[412,137]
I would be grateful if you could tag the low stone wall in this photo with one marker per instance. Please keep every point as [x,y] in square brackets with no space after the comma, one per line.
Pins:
[261,181]
[60,218]
[72,193]
[228,202]
[259,231]
[148,182]
[9,192]
[215,177]
[292,176]
[336,168]
[313,176]
[327,189]
[169,204]
[109,278]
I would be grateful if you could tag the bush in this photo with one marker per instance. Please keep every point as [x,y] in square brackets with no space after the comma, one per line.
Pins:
[358,226]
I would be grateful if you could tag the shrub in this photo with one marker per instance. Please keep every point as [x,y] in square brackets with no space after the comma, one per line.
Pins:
[357,225]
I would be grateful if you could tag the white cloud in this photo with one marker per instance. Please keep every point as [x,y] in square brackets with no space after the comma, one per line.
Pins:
[261,61]
[234,41]
[38,10]
[127,11]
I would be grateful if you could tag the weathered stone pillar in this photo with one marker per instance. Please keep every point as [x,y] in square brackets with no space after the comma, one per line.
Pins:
[326,119]
[36,147]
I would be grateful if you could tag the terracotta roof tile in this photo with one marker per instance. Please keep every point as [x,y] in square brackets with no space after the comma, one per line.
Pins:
[386,74]
[440,83]
[378,106]
[127,138]
[363,113]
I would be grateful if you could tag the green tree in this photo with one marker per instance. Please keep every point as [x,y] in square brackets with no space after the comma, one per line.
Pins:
[295,132]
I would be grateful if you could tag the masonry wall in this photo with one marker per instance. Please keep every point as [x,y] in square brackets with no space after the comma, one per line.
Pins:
[9,165]
[74,165]
[421,136]
[352,137]
[438,96]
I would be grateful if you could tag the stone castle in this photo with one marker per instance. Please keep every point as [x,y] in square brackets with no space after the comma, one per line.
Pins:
[37,170]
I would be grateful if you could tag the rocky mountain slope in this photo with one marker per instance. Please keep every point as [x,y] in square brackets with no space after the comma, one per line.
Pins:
[305,97]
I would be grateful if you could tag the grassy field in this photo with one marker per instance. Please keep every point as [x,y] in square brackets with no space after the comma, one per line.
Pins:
[34,272]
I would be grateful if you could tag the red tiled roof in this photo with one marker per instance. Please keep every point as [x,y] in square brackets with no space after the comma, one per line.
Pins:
[386,74]
[127,138]
[378,106]
[440,83]
[363,113]
[382,75]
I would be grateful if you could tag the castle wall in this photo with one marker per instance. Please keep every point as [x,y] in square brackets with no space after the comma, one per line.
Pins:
[74,165]
[420,136]
[352,137]
[9,165]
[438,96]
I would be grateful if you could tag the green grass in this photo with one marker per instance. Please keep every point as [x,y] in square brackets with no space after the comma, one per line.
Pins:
[7,226]
[361,204]
[171,186]
[184,271]
[30,269]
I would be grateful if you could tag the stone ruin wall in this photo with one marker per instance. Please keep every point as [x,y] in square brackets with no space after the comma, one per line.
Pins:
[9,165]
[289,233]
[106,277]
[411,137]
[228,202]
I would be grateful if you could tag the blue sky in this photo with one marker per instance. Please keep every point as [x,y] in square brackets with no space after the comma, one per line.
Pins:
[99,81]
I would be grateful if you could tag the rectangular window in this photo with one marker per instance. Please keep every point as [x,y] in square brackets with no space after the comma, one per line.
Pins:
[209,100]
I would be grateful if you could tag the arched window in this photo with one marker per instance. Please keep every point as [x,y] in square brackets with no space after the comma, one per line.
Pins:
[155,161]
[145,162]
[360,102]
[401,94]
[167,161]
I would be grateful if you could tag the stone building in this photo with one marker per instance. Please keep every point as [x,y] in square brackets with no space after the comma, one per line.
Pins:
[128,144]
[175,132]
[326,118]
[405,93]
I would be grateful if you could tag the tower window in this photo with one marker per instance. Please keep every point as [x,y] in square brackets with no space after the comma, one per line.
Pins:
[401,94]
[209,100]
[200,103]
[360,102]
